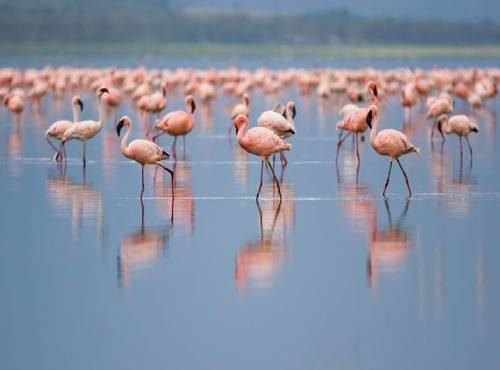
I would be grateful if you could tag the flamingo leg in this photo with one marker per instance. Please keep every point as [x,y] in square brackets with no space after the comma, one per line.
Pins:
[339,144]
[388,177]
[260,184]
[174,145]
[56,154]
[433,129]
[156,136]
[275,178]
[468,143]
[171,176]
[283,160]
[406,177]
[142,176]
[357,146]
[461,150]
[64,152]
[84,157]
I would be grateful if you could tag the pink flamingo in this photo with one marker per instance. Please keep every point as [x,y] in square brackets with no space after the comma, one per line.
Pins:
[355,121]
[282,125]
[14,103]
[85,130]
[142,151]
[241,108]
[460,125]
[58,128]
[177,123]
[158,101]
[389,142]
[262,142]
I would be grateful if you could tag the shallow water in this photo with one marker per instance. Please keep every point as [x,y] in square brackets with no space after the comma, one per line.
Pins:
[334,277]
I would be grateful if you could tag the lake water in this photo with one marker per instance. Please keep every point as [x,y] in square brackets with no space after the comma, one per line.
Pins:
[334,277]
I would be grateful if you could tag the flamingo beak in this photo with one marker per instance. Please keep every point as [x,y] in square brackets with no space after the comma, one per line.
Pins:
[375,91]
[369,118]
[119,126]
[103,90]
[294,112]
[80,103]
[193,106]
[440,126]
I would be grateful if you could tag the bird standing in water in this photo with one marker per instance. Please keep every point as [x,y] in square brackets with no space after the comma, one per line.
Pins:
[86,130]
[262,142]
[142,151]
[390,143]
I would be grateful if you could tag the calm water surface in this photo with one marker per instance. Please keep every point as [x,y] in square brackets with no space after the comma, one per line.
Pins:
[334,277]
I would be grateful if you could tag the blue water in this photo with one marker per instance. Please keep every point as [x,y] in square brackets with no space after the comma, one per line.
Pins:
[334,277]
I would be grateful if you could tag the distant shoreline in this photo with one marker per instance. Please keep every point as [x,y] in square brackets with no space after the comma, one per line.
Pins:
[216,49]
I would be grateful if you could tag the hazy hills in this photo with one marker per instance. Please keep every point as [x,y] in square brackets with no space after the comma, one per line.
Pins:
[159,21]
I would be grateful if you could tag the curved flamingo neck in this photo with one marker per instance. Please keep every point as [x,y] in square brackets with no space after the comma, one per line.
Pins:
[124,144]
[188,107]
[76,113]
[100,108]
[242,132]
[289,115]
[374,132]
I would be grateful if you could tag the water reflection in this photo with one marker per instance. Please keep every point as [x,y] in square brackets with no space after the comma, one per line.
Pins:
[140,249]
[388,246]
[259,261]
[453,178]
[356,200]
[179,204]
[79,199]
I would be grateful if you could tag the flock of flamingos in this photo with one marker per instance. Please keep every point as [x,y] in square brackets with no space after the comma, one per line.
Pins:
[360,94]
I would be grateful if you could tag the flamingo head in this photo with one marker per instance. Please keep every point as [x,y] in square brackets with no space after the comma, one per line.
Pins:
[440,121]
[77,101]
[290,109]
[372,113]
[246,99]
[102,91]
[240,121]
[372,86]
[190,102]
[124,121]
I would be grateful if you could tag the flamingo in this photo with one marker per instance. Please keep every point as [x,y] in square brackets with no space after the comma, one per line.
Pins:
[241,108]
[281,125]
[262,142]
[408,100]
[460,125]
[142,151]
[389,142]
[438,107]
[58,128]
[177,123]
[14,103]
[354,120]
[85,130]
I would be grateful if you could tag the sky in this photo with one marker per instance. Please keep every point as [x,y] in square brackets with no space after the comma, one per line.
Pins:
[454,10]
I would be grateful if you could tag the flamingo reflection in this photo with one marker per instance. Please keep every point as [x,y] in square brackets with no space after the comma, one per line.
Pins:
[356,200]
[388,247]
[140,249]
[455,183]
[81,199]
[178,202]
[258,262]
